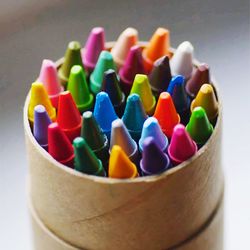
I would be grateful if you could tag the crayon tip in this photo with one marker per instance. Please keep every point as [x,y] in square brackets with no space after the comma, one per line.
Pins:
[111,86]
[200,76]
[48,76]
[199,127]
[182,61]
[206,99]
[93,47]
[166,114]
[41,123]
[72,57]
[181,147]
[104,112]
[120,136]
[133,65]
[160,75]
[85,160]
[78,87]
[59,146]
[125,41]
[68,116]
[105,62]
[151,128]
[120,165]
[153,161]
[157,47]
[142,88]
[38,96]
[180,98]
[134,116]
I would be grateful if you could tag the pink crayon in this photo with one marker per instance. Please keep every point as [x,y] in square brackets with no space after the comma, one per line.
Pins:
[133,65]
[181,147]
[93,47]
[48,76]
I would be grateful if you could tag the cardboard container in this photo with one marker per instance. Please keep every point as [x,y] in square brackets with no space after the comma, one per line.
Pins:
[154,212]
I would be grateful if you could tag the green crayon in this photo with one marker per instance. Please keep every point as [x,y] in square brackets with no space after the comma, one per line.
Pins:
[199,127]
[78,87]
[85,160]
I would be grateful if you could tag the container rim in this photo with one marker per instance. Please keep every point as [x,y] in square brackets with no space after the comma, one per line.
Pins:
[141,179]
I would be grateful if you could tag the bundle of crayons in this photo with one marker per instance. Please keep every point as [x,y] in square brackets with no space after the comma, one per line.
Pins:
[152,109]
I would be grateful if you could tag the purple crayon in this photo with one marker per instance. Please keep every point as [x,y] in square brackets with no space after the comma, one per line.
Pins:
[93,47]
[41,123]
[132,66]
[154,160]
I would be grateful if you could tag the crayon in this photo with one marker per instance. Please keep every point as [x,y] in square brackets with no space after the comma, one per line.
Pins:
[199,127]
[111,86]
[180,98]
[151,128]
[95,138]
[157,47]
[105,62]
[48,76]
[68,116]
[59,146]
[38,95]
[133,65]
[72,57]
[166,114]
[141,87]
[206,99]
[85,160]
[93,47]
[160,76]
[182,61]
[181,147]
[120,136]
[154,160]
[120,165]
[104,113]
[127,39]
[78,87]
[41,123]
[200,76]
[134,116]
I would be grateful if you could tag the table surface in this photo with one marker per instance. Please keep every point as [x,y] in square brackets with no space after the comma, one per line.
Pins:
[33,30]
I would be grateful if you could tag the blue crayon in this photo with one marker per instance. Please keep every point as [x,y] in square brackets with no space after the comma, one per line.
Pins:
[134,116]
[104,113]
[154,160]
[180,98]
[151,128]
[41,123]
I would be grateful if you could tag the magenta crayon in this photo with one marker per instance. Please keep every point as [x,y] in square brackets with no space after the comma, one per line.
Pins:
[181,147]
[48,76]
[60,147]
[41,123]
[68,116]
[154,160]
[93,47]
[132,66]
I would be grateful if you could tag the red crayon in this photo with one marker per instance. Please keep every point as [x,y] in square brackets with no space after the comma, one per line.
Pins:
[68,116]
[59,146]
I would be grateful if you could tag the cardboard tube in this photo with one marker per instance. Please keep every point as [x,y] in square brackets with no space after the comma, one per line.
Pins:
[153,212]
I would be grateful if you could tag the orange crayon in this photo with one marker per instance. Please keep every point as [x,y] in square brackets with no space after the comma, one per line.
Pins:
[38,95]
[120,165]
[166,114]
[157,47]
